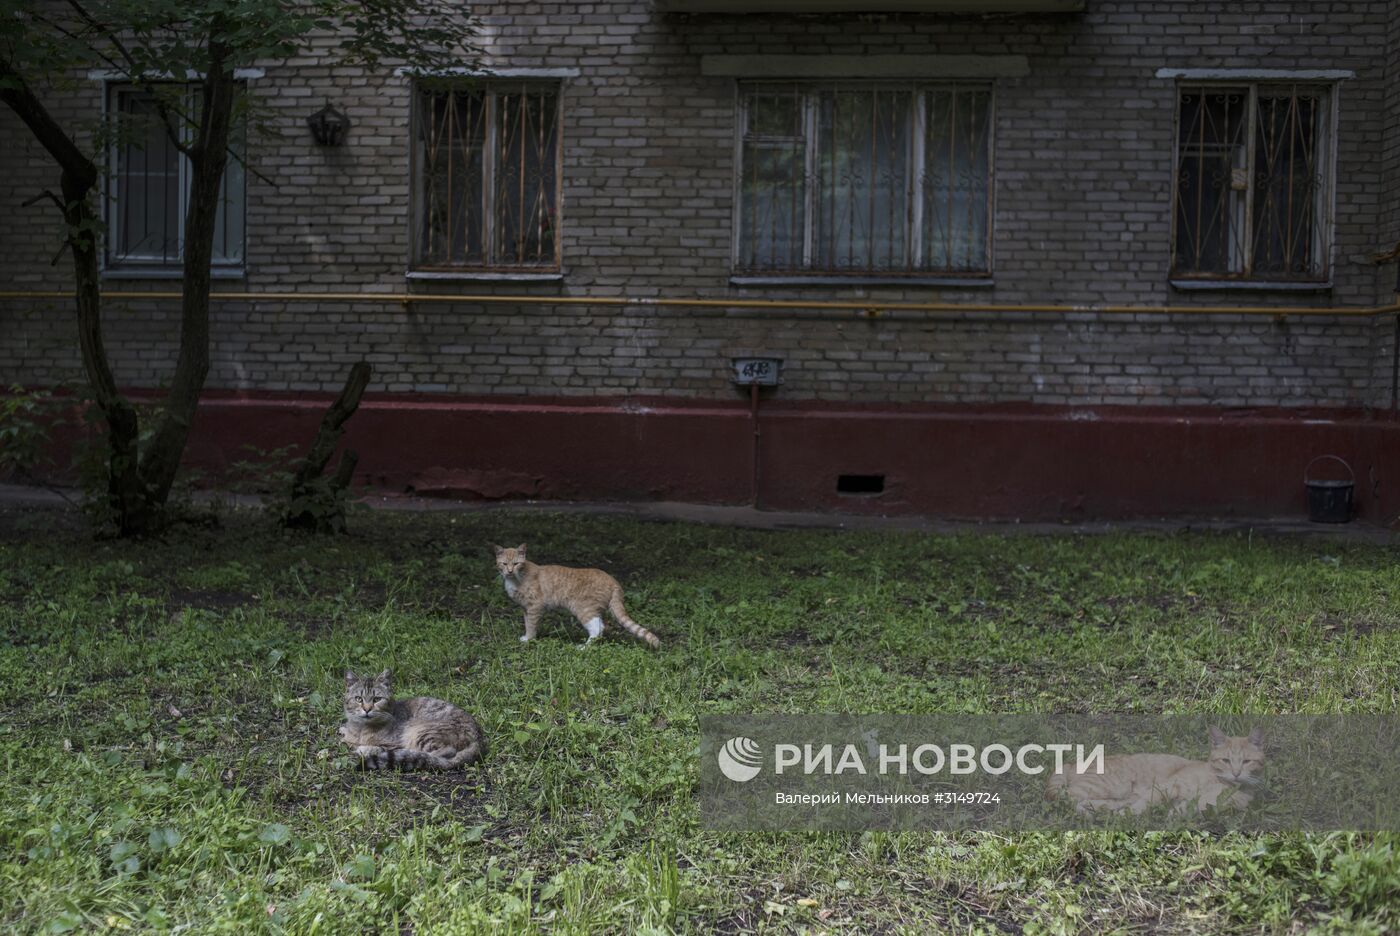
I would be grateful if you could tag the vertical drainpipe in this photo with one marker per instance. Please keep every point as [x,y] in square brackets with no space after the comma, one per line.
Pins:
[1395,350]
[753,418]
[756,373]
[1393,256]
[1395,363]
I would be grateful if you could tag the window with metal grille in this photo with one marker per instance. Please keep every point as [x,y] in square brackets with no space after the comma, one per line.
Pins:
[867,178]
[1253,183]
[486,176]
[148,184]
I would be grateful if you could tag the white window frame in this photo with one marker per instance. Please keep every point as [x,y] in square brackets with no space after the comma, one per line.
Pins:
[493,83]
[115,85]
[1322,249]
[915,203]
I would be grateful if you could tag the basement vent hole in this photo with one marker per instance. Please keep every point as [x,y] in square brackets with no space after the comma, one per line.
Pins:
[860,484]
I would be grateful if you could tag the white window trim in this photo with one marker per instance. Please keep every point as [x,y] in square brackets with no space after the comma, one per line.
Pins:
[467,71]
[1304,75]
[115,75]
[808,67]
[487,276]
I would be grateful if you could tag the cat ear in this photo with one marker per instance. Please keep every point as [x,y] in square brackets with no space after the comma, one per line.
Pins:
[520,549]
[1216,735]
[384,677]
[1256,737]
[350,678]
[498,550]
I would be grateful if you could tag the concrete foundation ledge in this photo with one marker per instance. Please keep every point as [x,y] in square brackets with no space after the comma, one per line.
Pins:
[984,462]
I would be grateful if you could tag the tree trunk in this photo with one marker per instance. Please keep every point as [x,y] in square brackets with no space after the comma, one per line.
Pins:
[315,502]
[127,496]
[207,157]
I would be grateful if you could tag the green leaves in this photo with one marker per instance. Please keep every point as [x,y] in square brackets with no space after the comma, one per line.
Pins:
[125,856]
[65,922]
[27,417]
[164,839]
[359,868]
[163,38]
[275,834]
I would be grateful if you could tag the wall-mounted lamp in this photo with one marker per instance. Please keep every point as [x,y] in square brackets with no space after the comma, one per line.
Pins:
[328,126]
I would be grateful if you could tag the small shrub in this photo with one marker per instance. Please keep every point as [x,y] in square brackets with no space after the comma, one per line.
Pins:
[27,419]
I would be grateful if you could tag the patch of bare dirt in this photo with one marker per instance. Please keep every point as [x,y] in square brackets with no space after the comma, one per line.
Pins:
[207,599]
[793,638]
[1335,628]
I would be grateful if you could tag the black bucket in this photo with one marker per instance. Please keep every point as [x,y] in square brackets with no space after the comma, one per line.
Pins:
[1329,501]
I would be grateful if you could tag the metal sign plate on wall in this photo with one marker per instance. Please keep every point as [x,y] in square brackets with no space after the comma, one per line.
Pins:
[764,371]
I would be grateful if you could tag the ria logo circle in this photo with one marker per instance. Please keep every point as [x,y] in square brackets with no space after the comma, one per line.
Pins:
[740,759]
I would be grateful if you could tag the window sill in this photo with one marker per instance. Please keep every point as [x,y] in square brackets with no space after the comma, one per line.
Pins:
[169,273]
[963,282]
[486,276]
[1196,285]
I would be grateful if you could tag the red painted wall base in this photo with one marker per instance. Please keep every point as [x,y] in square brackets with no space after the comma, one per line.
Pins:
[986,462]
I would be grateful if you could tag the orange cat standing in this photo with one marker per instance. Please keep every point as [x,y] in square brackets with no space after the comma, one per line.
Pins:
[584,593]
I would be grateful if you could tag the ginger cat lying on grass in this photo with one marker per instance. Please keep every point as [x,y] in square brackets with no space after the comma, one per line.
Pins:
[1135,782]
[584,593]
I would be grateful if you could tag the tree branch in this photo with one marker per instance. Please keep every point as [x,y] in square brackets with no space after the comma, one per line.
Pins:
[133,71]
[76,37]
[46,193]
[21,99]
[107,33]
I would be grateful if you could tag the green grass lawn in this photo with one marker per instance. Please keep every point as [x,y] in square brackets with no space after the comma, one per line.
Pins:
[168,712]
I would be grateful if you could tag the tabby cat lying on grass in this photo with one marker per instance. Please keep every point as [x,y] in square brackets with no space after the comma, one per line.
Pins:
[584,593]
[406,733]
[1135,782]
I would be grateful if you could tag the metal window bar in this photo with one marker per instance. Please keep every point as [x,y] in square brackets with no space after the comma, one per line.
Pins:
[864,178]
[1252,186]
[914,178]
[488,163]
[776,204]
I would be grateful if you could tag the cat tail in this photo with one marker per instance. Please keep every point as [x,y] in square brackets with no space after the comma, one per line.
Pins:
[629,625]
